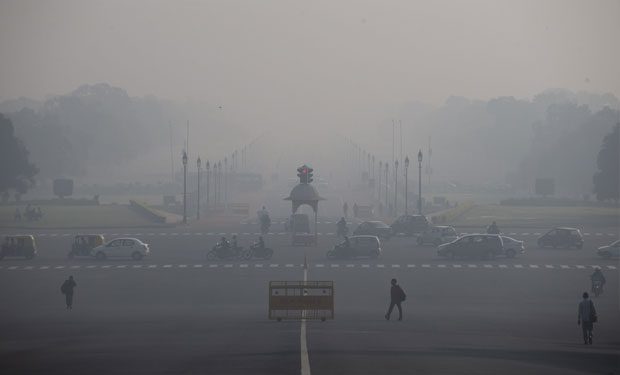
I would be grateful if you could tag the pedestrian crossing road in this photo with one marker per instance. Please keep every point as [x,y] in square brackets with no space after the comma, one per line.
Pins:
[331,266]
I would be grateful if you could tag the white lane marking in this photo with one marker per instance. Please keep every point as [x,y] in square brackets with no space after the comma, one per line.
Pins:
[611,267]
[66,234]
[350,265]
[533,266]
[327,222]
[426,266]
[365,265]
[222,234]
[167,265]
[228,266]
[114,234]
[611,234]
[27,268]
[150,234]
[472,266]
[163,234]
[537,234]
[243,266]
[136,266]
[564,266]
[42,235]
[380,266]
[525,234]
[441,266]
[319,265]
[212,265]
[580,266]
[456,266]
[274,265]
[59,267]
[503,266]
[210,234]
[197,265]
[335,265]
[410,265]
[258,265]
[595,266]
[13,268]
[289,265]
[44,267]
[122,266]
[182,265]
[586,234]
[245,234]
[512,234]
[91,266]
[330,234]
[395,265]
[549,266]
[152,265]
[198,234]
[518,266]
[488,266]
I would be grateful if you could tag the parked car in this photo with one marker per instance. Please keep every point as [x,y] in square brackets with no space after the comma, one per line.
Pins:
[121,247]
[83,244]
[437,235]
[562,237]
[474,246]
[373,228]
[410,224]
[19,246]
[610,251]
[359,246]
[512,247]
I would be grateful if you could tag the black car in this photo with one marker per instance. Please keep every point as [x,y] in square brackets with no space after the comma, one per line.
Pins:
[562,237]
[373,228]
[410,224]
[473,246]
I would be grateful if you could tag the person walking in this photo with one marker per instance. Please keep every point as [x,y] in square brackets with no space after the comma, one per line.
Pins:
[397,296]
[67,289]
[586,317]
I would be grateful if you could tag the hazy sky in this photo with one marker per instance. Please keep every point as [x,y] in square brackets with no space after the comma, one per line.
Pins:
[320,61]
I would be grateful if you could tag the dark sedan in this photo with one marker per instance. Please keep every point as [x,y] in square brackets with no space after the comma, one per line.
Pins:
[373,228]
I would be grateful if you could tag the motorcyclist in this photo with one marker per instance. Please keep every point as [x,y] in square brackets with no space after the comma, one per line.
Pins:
[260,244]
[233,242]
[493,229]
[597,277]
[223,246]
[265,222]
[342,226]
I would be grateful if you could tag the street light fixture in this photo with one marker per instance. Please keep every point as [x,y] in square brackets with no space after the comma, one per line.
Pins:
[184,187]
[406,179]
[420,182]
[395,188]
[198,164]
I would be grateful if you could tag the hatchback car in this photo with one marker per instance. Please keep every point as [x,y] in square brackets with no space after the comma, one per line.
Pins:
[562,237]
[359,246]
[512,247]
[437,235]
[473,246]
[373,228]
[410,224]
[610,251]
[122,247]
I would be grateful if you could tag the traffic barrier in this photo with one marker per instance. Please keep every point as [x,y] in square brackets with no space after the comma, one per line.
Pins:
[296,300]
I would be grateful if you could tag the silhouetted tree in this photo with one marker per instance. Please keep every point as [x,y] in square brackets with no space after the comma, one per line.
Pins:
[608,162]
[16,172]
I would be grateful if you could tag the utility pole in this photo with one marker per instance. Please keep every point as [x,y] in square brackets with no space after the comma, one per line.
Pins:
[198,164]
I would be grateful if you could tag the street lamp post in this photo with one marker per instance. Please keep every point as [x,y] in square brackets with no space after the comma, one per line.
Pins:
[219,181]
[208,166]
[387,167]
[406,179]
[198,164]
[395,188]
[380,178]
[420,182]
[184,187]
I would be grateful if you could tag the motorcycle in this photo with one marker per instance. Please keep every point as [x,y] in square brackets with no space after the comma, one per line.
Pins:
[219,252]
[597,288]
[256,252]
[265,224]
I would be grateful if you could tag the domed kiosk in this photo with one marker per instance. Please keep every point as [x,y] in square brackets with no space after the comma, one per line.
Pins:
[304,193]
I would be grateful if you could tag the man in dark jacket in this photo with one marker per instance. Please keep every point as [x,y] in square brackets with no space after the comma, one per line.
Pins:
[67,289]
[397,296]
[586,317]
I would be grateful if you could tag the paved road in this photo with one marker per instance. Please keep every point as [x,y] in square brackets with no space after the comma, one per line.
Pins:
[174,312]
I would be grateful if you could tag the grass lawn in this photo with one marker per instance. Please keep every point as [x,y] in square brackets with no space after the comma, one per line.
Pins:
[512,216]
[76,217]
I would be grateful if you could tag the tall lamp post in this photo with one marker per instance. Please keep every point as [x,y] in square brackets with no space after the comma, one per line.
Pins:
[420,182]
[198,164]
[387,167]
[406,189]
[219,181]
[184,187]
[380,179]
[395,188]
[208,167]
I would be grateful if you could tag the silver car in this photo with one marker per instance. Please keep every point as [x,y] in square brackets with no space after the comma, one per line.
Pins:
[512,247]
[610,251]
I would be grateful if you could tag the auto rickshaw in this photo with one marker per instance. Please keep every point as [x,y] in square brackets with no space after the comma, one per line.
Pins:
[84,243]
[19,246]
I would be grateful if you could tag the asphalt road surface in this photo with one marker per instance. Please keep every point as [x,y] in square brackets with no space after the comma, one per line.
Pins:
[176,313]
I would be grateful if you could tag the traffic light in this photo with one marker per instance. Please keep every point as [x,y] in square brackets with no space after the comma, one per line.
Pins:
[305,174]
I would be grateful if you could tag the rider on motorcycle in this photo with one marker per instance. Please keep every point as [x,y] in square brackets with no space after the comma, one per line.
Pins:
[265,222]
[223,246]
[260,244]
[342,226]
[493,229]
[597,277]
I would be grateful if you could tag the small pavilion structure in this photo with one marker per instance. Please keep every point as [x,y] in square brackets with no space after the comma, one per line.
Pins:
[305,193]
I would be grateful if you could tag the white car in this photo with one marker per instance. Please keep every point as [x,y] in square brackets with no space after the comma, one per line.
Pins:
[437,235]
[609,251]
[512,247]
[121,247]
